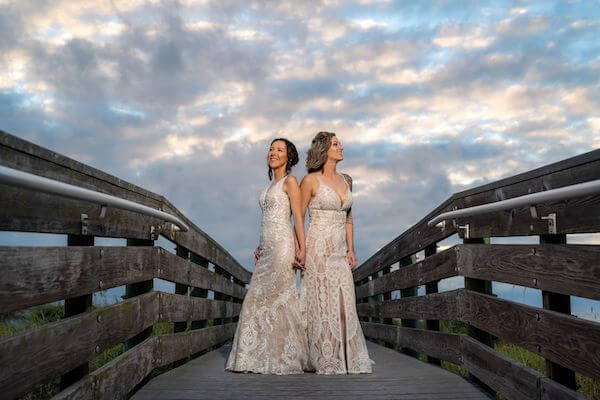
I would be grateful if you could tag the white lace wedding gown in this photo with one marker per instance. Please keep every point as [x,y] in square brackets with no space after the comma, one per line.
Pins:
[328,289]
[270,337]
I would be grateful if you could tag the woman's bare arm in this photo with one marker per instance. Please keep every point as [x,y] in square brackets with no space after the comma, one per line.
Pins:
[351,257]
[292,189]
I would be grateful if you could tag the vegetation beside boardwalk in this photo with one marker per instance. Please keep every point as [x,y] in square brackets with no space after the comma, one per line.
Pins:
[20,321]
[14,323]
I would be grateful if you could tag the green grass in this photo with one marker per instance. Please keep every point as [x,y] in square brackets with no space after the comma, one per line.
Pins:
[588,387]
[14,323]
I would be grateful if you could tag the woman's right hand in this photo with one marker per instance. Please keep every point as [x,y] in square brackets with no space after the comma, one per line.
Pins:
[256,255]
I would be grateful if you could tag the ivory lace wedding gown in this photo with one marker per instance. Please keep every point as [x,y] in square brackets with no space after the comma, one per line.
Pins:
[328,289]
[270,337]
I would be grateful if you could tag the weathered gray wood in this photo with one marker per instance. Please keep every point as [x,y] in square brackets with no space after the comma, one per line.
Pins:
[530,177]
[395,376]
[29,211]
[178,270]
[73,306]
[560,303]
[176,346]
[57,347]
[413,240]
[28,156]
[548,333]
[40,275]
[200,243]
[25,210]
[499,372]
[567,269]
[551,390]
[432,306]
[181,324]
[566,340]
[431,288]
[481,286]
[117,378]
[576,215]
[439,266]
[445,346]
[175,307]
[137,289]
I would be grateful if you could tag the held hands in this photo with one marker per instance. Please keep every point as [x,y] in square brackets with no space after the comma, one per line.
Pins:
[256,255]
[299,259]
[351,258]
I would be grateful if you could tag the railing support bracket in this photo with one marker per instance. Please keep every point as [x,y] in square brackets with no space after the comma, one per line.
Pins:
[551,223]
[466,228]
[84,224]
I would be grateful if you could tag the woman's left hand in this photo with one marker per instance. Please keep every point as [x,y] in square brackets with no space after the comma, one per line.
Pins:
[299,259]
[351,258]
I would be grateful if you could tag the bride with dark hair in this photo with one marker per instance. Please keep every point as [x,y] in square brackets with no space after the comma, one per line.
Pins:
[335,338]
[271,337]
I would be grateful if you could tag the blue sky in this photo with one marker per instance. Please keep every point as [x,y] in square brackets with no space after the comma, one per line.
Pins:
[182,98]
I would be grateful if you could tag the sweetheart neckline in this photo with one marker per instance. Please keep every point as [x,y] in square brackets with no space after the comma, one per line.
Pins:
[342,202]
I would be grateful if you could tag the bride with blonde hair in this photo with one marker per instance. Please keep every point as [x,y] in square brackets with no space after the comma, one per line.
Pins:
[335,338]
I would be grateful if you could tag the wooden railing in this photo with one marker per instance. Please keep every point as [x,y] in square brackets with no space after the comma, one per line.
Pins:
[567,343]
[32,276]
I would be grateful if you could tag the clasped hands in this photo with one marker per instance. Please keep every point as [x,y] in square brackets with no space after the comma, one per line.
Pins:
[298,258]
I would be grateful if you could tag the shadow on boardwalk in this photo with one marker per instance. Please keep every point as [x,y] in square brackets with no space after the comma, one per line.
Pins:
[395,376]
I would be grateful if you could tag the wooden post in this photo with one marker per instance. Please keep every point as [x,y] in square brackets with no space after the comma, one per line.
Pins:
[480,286]
[432,287]
[221,296]
[197,292]
[384,297]
[363,299]
[135,289]
[74,306]
[408,292]
[560,303]
[180,288]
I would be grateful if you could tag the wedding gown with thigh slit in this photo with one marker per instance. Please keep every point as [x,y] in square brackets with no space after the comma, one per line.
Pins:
[335,338]
[271,336]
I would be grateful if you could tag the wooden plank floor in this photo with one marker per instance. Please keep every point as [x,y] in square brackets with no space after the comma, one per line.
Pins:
[395,376]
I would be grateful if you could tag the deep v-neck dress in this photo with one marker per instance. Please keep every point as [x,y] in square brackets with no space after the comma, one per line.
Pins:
[327,288]
[271,334]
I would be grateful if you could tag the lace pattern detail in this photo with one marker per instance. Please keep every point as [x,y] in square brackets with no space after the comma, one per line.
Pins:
[328,287]
[270,336]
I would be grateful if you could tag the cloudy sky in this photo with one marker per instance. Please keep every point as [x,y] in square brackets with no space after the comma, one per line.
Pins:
[182,98]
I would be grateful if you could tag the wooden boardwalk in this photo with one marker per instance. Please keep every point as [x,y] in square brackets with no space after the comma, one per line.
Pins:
[395,376]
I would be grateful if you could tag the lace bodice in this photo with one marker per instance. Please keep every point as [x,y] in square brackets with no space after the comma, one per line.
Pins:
[327,198]
[327,207]
[275,204]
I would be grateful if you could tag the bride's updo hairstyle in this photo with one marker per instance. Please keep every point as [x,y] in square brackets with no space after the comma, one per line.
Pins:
[292,156]
[317,154]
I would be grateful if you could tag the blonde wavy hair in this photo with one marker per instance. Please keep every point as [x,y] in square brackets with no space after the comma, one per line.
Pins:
[317,154]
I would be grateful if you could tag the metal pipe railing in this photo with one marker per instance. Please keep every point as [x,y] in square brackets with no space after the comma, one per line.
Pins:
[38,183]
[578,190]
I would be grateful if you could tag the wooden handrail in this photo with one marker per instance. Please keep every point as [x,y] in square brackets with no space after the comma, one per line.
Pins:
[529,200]
[23,210]
[557,269]
[39,275]
[10,176]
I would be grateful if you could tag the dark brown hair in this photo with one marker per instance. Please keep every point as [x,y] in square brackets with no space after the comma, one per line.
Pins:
[317,154]
[292,156]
